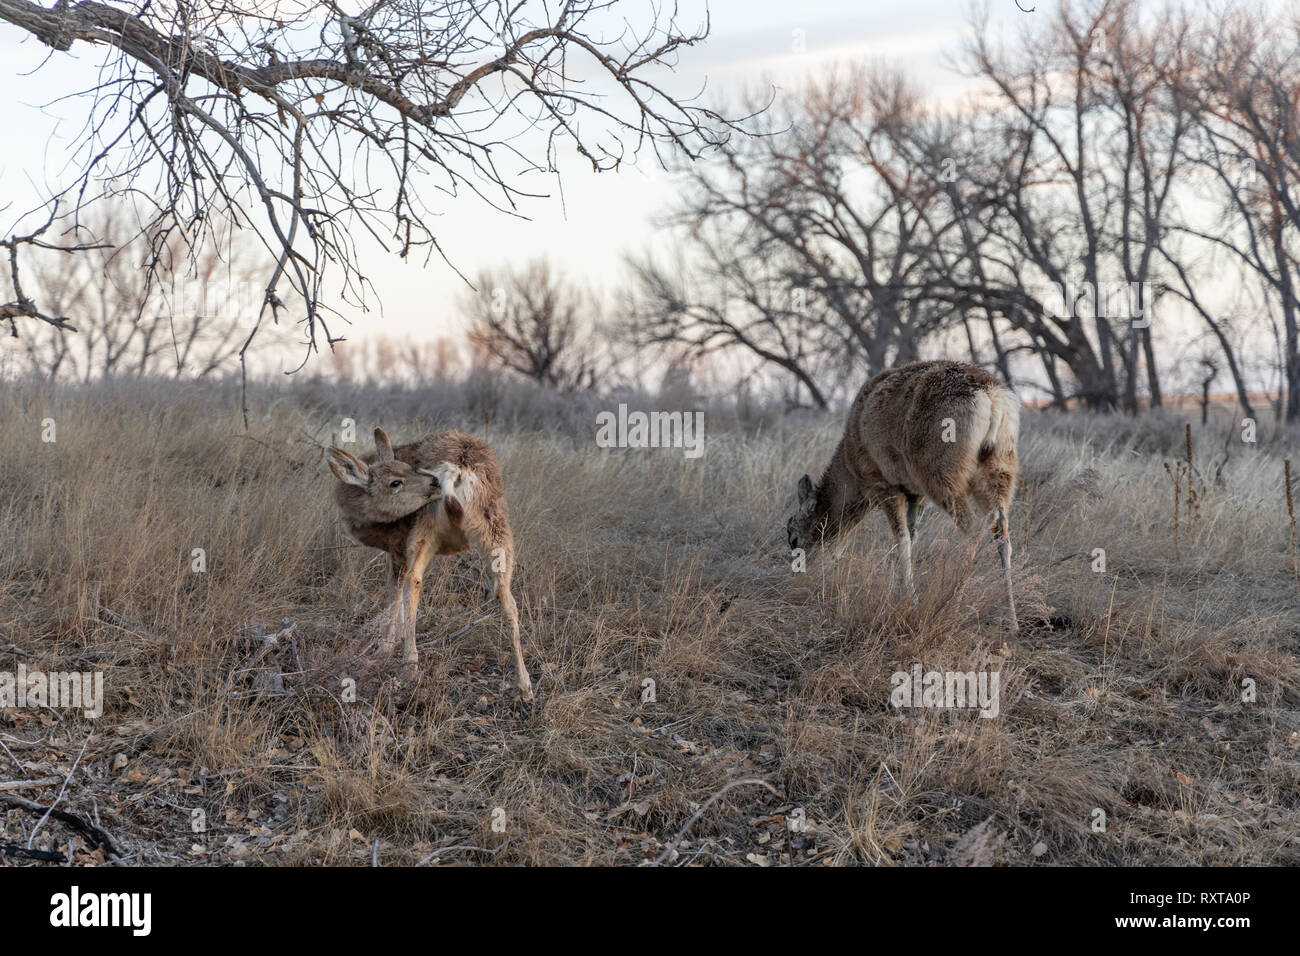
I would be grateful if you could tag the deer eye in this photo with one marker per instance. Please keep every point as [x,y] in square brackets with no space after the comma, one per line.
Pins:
[395,483]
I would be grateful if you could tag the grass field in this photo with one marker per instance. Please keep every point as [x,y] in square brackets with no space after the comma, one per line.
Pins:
[771,739]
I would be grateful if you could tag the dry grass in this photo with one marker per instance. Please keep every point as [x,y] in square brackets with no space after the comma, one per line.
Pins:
[1124,693]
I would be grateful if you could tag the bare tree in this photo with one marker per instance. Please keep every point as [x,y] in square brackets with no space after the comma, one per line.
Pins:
[1245,85]
[727,301]
[537,324]
[391,361]
[1091,133]
[897,222]
[313,124]
[1061,214]
[812,245]
[192,327]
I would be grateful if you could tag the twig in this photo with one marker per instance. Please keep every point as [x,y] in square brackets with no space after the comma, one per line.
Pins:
[112,617]
[817,856]
[1193,500]
[269,641]
[1290,511]
[1076,554]
[458,632]
[12,758]
[1175,474]
[296,767]
[62,790]
[97,836]
[29,784]
[668,851]
[296,659]
[448,849]
[465,846]
[14,850]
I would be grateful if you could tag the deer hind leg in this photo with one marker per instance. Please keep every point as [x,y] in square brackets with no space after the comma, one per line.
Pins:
[1004,551]
[993,494]
[500,561]
[511,611]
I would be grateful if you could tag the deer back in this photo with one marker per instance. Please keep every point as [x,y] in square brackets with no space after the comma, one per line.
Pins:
[473,505]
[924,426]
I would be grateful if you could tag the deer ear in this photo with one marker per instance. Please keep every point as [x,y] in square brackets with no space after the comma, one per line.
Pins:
[805,489]
[383,447]
[348,468]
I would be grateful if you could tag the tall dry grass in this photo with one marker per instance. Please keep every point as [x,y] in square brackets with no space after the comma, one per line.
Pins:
[1123,695]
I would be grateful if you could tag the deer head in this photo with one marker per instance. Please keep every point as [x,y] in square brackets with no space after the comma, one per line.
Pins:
[388,489]
[804,530]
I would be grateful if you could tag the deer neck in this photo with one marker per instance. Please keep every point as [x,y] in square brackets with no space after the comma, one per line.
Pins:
[838,496]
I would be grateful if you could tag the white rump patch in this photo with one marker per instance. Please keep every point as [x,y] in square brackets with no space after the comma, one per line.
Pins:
[1004,423]
[456,482]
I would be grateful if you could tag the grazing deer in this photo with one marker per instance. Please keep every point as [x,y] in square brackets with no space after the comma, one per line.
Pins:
[942,431]
[439,495]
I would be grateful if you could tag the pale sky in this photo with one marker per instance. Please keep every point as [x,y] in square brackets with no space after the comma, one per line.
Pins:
[603,216]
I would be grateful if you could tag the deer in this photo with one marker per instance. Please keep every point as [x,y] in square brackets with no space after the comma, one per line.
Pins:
[942,431]
[441,494]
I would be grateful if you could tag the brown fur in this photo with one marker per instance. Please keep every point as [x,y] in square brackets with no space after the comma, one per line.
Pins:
[379,487]
[466,509]
[893,456]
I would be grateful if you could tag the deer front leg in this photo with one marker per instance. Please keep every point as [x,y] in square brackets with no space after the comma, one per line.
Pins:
[913,512]
[387,645]
[417,559]
[896,512]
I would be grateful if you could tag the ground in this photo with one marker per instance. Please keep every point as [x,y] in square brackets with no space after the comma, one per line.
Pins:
[699,702]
